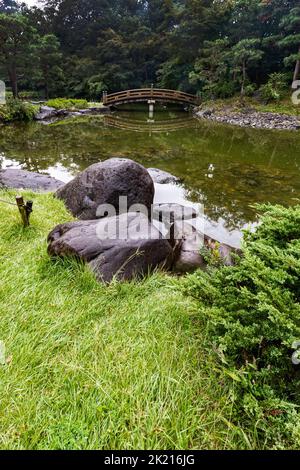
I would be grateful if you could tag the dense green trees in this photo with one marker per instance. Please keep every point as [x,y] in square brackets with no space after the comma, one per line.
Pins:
[49,60]
[214,47]
[291,26]
[244,53]
[16,38]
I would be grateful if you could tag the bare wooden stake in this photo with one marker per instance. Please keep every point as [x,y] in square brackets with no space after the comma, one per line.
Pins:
[25,210]
[29,205]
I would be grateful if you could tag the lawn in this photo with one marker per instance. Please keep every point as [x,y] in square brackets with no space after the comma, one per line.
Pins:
[96,367]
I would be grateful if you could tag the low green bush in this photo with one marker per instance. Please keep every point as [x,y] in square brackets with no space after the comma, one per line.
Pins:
[250,89]
[275,88]
[252,315]
[67,103]
[16,110]
[30,95]
[219,90]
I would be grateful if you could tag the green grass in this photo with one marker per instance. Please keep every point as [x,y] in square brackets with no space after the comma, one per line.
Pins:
[284,106]
[96,367]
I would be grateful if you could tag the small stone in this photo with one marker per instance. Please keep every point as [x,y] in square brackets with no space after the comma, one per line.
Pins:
[162,177]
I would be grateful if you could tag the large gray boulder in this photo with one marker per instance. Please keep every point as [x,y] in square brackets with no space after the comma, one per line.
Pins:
[21,179]
[104,183]
[122,247]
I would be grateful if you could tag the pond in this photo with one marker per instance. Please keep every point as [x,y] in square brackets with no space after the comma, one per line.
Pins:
[227,169]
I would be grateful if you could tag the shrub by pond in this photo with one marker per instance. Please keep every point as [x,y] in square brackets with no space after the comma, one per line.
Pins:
[67,103]
[17,110]
[252,315]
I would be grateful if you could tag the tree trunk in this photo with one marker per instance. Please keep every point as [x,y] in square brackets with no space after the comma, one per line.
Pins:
[46,80]
[244,79]
[12,72]
[297,69]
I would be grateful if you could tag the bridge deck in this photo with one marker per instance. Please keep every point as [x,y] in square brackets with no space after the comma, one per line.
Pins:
[147,94]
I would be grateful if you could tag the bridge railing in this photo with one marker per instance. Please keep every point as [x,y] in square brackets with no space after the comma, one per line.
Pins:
[149,94]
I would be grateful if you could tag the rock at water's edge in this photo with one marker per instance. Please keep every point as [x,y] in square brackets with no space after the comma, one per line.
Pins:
[162,177]
[47,113]
[134,254]
[189,257]
[104,183]
[21,179]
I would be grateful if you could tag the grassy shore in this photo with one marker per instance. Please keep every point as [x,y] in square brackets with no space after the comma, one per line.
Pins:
[235,104]
[134,365]
[96,367]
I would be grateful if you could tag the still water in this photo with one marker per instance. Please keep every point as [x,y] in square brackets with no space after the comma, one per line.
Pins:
[228,169]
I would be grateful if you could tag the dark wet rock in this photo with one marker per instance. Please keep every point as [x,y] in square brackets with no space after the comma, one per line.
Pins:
[138,249]
[188,244]
[47,113]
[166,215]
[104,183]
[21,179]
[189,262]
[188,254]
[95,110]
[162,177]
[173,212]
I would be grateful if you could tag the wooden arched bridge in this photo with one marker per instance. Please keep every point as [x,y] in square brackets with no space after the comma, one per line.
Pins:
[149,95]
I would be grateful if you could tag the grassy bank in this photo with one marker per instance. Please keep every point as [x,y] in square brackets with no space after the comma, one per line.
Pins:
[141,365]
[89,366]
[235,104]
[18,110]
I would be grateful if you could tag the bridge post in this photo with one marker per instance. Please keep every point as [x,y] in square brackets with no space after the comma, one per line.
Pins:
[151,104]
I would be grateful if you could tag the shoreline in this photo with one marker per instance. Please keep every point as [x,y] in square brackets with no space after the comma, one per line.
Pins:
[250,118]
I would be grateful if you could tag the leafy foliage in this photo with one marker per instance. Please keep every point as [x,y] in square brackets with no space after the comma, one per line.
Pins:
[252,313]
[275,88]
[80,48]
[16,35]
[67,103]
[17,110]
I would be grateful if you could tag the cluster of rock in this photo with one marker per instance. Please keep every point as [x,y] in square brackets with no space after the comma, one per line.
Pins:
[48,114]
[122,241]
[135,245]
[251,118]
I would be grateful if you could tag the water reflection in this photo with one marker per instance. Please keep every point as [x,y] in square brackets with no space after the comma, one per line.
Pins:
[227,169]
[120,121]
